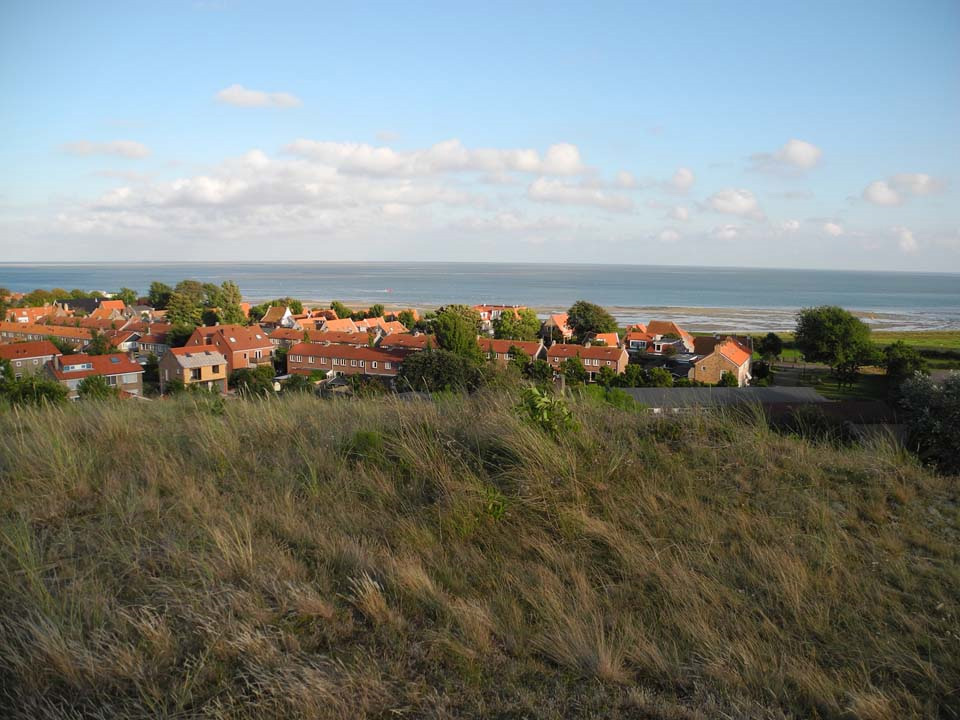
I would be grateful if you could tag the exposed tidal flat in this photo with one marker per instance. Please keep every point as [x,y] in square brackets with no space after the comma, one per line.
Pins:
[700,298]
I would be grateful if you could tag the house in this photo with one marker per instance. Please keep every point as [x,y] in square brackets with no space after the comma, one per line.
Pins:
[278,316]
[381,324]
[243,347]
[342,325]
[123,340]
[407,341]
[669,330]
[28,358]
[305,358]
[287,337]
[194,366]
[705,344]
[610,339]
[119,370]
[28,315]
[593,357]
[559,323]
[107,311]
[727,356]
[499,350]
[14,332]
[489,313]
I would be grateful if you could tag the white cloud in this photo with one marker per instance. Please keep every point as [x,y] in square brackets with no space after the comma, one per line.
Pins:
[626,180]
[682,180]
[680,213]
[879,192]
[793,155]
[240,96]
[123,148]
[905,240]
[833,229]
[789,225]
[668,236]
[725,232]
[556,191]
[734,201]
[898,189]
[446,156]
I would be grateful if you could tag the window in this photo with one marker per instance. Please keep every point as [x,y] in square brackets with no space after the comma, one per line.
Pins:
[112,380]
[195,374]
[373,363]
[35,361]
[353,363]
[323,361]
[216,368]
[387,366]
[609,363]
[19,363]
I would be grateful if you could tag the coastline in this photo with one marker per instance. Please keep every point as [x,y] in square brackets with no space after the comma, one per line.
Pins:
[707,319]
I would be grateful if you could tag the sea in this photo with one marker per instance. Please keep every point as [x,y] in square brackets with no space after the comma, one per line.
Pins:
[700,298]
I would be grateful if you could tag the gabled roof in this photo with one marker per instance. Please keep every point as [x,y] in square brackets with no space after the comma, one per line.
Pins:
[345,325]
[235,337]
[73,333]
[29,314]
[348,352]
[32,349]
[274,314]
[594,352]
[668,327]
[116,364]
[489,345]
[112,305]
[196,356]
[611,339]
[733,352]
[413,341]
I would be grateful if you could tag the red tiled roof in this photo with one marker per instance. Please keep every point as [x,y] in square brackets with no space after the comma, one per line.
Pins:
[562,352]
[115,364]
[46,330]
[112,305]
[31,314]
[413,341]
[733,351]
[611,339]
[348,352]
[503,346]
[235,337]
[668,327]
[346,324]
[32,349]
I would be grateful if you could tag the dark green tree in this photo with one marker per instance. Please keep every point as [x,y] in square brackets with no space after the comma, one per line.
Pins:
[728,379]
[902,361]
[30,389]
[178,335]
[182,309]
[128,296]
[659,377]
[573,371]
[252,382]
[457,332]
[522,324]
[931,412]
[432,370]
[770,346]
[192,289]
[95,387]
[585,317]
[518,358]
[159,295]
[340,309]
[540,372]
[407,318]
[99,344]
[835,337]
[63,346]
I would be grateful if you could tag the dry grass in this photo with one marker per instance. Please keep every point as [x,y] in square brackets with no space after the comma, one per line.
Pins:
[379,558]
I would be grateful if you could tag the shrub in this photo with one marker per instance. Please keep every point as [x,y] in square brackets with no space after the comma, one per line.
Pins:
[932,414]
[546,410]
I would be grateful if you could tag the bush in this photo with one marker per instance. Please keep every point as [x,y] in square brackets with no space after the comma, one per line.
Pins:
[931,412]
[432,370]
[95,387]
[546,410]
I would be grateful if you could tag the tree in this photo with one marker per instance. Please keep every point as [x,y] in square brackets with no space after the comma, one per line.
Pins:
[99,344]
[457,333]
[518,358]
[298,384]
[902,361]
[522,324]
[340,309]
[280,359]
[432,370]
[29,390]
[192,289]
[230,301]
[128,296]
[178,335]
[833,336]
[607,377]
[376,311]
[182,309]
[770,346]
[159,295]
[253,381]
[210,317]
[407,319]
[63,346]
[659,377]
[728,379]
[95,387]
[573,371]
[586,317]
[633,376]
[931,412]
[540,372]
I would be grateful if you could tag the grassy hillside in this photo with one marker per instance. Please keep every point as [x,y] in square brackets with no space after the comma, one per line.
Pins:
[443,559]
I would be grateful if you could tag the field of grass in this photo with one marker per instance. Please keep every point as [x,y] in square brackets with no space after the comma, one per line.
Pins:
[296,558]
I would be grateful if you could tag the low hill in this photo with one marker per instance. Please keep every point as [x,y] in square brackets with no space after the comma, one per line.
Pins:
[445,559]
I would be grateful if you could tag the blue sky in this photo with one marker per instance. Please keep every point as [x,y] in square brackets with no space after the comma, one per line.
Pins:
[766,134]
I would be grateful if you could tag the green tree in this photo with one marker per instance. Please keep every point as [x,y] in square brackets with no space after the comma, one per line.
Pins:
[931,412]
[192,289]
[573,371]
[29,390]
[128,296]
[659,377]
[159,295]
[728,379]
[585,317]
[633,376]
[833,336]
[518,358]
[540,372]
[253,381]
[520,325]
[230,301]
[95,387]
[376,311]
[182,309]
[902,361]
[457,333]
[607,377]
[340,309]
[298,384]
[407,318]
[432,370]
[770,346]
[178,335]
[63,346]
[99,344]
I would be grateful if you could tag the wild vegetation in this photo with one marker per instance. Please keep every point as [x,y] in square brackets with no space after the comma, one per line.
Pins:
[470,556]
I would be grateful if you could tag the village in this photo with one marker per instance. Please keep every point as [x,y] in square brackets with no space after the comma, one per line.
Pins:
[138,350]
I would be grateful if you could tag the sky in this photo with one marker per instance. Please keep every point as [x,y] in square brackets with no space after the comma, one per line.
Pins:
[762,134]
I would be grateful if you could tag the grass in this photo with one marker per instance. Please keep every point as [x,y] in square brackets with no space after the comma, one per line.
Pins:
[446,559]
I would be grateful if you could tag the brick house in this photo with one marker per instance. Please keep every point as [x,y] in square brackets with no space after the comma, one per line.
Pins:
[243,347]
[15,332]
[558,322]
[304,358]
[285,337]
[29,358]
[728,356]
[194,365]
[499,350]
[119,370]
[593,357]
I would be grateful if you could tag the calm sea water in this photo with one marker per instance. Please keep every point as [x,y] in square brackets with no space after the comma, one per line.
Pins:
[703,297]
